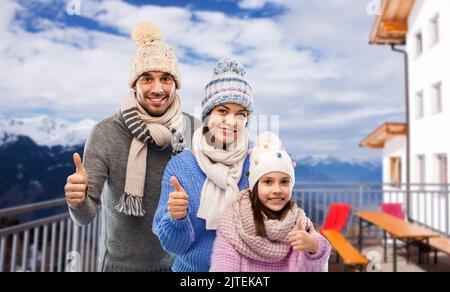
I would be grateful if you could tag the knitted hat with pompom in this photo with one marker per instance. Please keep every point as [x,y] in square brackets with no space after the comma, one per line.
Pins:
[228,85]
[268,156]
[152,54]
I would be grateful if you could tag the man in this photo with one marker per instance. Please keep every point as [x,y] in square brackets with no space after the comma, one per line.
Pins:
[125,158]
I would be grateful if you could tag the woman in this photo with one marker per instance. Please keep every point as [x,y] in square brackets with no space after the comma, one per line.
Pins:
[199,185]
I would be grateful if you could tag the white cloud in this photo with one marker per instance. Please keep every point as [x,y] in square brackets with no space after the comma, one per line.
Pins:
[252,4]
[69,71]
[312,64]
[6,14]
[258,4]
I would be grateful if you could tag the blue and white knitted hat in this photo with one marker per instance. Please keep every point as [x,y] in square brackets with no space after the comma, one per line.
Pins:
[227,86]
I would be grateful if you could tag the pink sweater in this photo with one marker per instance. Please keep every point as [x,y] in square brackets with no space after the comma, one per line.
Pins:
[226,259]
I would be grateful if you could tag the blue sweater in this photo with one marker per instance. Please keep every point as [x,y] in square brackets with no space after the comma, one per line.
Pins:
[188,238]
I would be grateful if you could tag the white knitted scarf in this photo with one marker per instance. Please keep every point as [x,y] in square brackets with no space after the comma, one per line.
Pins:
[223,169]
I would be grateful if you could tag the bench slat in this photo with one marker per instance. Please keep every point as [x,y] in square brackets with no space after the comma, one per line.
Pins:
[345,249]
[441,244]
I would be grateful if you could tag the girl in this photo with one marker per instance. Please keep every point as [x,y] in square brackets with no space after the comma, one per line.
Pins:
[264,230]
[199,185]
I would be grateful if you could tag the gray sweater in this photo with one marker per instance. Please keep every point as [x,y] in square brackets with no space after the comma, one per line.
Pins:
[126,243]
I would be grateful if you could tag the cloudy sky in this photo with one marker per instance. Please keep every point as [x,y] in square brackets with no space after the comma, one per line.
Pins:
[309,62]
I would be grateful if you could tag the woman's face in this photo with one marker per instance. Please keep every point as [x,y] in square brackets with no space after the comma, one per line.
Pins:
[274,190]
[227,123]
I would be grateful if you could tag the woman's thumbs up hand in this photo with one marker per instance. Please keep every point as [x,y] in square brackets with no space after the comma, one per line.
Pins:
[178,201]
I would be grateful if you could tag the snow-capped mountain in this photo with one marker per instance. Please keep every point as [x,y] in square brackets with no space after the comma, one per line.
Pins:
[45,131]
[6,138]
[314,160]
[317,168]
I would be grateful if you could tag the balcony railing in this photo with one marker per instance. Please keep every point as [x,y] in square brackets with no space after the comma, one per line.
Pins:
[52,244]
[428,203]
[56,244]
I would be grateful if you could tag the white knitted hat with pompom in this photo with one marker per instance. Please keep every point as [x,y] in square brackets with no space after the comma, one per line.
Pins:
[152,54]
[268,156]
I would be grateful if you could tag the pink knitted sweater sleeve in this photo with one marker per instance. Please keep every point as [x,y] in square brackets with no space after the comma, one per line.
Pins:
[224,258]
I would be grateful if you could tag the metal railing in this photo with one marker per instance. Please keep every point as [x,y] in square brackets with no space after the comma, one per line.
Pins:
[56,244]
[429,203]
[52,244]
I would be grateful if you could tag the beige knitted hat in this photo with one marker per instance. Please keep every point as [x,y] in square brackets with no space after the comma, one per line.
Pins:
[152,54]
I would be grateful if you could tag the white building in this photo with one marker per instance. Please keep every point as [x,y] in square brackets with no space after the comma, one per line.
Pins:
[428,45]
[391,138]
[423,26]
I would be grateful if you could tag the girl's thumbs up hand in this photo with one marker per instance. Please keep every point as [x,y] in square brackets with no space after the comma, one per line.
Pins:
[178,201]
[299,225]
[302,240]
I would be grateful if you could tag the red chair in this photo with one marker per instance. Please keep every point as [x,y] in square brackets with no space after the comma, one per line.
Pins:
[393,209]
[337,217]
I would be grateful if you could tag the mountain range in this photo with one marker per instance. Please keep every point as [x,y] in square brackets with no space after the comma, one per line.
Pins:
[36,158]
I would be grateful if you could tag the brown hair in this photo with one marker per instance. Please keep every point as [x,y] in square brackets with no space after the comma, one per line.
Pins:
[213,139]
[259,210]
[205,131]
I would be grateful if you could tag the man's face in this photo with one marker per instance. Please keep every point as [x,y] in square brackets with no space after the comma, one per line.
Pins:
[155,92]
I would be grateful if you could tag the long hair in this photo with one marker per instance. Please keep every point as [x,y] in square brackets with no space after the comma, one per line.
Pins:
[259,210]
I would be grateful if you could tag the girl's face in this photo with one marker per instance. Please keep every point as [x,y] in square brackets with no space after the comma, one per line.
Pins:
[227,123]
[274,191]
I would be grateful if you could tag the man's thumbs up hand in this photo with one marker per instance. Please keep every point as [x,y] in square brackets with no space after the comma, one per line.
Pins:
[78,164]
[76,186]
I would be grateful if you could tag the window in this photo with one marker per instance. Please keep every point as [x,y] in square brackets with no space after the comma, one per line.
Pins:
[419,44]
[421,178]
[419,105]
[434,30]
[396,172]
[437,98]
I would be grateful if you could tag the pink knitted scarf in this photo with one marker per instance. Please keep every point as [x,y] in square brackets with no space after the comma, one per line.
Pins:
[238,227]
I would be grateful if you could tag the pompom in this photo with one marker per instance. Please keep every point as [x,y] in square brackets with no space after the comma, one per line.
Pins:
[229,66]
[146,32]
[268,138]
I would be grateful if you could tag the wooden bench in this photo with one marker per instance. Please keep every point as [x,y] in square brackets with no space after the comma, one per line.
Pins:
[440,244]
[399,230]
[345,250]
